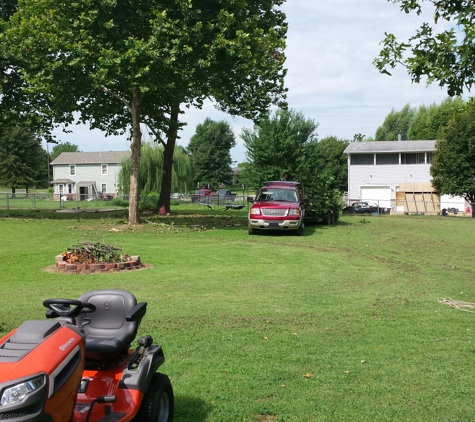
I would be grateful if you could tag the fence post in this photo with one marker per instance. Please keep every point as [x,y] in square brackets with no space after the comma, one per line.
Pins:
[6,200]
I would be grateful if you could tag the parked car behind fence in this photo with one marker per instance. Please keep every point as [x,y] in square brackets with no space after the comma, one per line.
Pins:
[364,208]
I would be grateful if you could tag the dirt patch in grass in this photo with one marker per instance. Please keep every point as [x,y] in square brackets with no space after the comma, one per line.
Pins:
[265,418]
[166,224]
[53,269]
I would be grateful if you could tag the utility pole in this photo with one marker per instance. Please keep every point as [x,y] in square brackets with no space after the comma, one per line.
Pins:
[47,161]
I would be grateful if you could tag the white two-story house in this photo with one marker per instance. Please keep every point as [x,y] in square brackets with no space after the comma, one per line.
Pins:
[86,175]
[396,175]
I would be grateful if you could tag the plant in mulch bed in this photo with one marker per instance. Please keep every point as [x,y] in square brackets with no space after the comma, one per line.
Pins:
[91,253]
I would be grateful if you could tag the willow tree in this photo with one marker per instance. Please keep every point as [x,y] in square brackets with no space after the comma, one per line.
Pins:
[151,171]
[120,64]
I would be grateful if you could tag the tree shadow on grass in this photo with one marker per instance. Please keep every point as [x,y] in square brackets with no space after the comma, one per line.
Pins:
[190,409]
[310,229]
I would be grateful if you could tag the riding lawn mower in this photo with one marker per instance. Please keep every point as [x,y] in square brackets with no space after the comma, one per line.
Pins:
[76,366]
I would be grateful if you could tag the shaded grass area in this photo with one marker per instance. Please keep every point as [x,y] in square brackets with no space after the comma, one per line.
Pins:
[341,324]
[181,215]
[53,214]
[46,203]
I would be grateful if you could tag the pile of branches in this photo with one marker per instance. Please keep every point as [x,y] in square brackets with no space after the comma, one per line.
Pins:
[458,304]
[91,253]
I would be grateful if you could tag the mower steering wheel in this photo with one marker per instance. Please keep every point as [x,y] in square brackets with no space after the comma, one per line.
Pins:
[68,308]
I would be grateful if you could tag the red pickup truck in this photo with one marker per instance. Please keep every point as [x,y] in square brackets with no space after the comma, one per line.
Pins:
[277,206]
[200,194]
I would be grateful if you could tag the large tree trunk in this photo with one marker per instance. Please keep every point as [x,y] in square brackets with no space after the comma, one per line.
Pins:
[136,148]
[165,191]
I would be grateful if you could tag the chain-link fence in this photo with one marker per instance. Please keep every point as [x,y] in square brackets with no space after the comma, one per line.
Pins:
[238,201]
[410,205]
[47,201]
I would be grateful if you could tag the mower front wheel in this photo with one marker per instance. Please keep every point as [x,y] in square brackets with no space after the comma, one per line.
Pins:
[158,402]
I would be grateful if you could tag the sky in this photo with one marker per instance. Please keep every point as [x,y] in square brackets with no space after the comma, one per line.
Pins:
[331,45]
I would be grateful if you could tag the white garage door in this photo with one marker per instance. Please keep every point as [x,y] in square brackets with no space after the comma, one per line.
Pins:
[379,194]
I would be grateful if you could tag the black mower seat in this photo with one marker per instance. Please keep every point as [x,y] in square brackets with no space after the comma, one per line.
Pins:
[112,327]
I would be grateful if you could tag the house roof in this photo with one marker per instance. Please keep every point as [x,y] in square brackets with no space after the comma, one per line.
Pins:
[106,157]
[62,181]
[389,146]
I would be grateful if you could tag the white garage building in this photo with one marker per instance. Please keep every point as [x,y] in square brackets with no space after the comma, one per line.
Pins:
[396,175]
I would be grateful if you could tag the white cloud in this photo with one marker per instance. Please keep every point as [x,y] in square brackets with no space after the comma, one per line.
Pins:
[331,78]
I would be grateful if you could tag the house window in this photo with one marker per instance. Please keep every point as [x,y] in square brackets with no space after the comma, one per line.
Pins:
[70,188]
[104,187]
[72,170]
[413,158]
[104,170]
[430,157]
[362,159]
[389,158]
[61,189]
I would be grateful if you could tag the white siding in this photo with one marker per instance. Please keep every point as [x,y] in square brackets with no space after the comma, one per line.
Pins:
[383,181]
[447,201]
[384,175]
[61,172]
[90,173]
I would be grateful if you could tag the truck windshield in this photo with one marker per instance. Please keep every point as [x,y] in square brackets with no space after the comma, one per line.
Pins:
[284,195]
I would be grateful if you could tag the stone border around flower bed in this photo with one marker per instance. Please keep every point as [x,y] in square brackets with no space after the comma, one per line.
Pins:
[101,267]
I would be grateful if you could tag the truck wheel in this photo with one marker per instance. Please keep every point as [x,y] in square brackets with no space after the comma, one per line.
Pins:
[158,402]
[250,230]
[299,231]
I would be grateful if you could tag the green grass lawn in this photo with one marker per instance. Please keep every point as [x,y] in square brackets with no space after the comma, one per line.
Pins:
[341,324]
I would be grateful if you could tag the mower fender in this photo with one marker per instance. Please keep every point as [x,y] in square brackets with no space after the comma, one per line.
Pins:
[139,378]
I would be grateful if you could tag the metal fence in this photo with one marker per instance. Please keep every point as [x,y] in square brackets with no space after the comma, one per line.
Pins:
[415,206]
[46,201]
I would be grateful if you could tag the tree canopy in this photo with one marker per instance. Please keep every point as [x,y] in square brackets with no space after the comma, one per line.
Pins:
[453,170]
[430,121]
[121,63]
[327,157]
[396,123]
[22,159]
[63,147]
[276,145]
[287,143]
[18,107]
[210,153]
[422,123]
[446,57]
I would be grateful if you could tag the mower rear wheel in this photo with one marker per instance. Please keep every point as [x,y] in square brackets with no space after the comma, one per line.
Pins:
[158,402]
